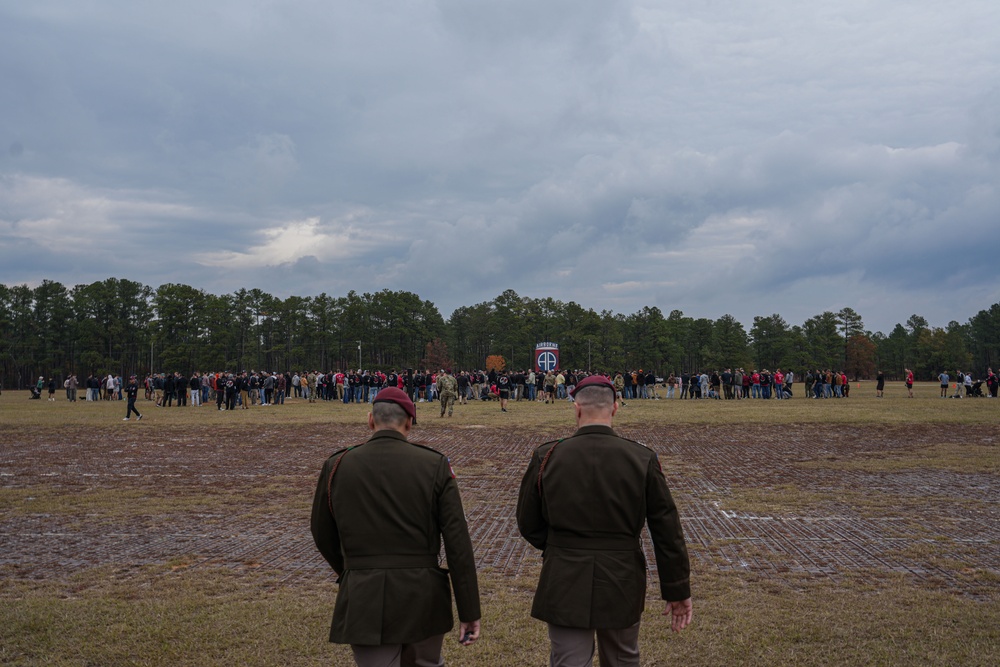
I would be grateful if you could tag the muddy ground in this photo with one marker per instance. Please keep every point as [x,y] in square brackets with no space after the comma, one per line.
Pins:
[781,503]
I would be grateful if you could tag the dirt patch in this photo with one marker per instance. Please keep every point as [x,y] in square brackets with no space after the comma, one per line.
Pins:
[767,502]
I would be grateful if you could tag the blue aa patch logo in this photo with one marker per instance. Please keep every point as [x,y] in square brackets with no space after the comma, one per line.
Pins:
[546,357]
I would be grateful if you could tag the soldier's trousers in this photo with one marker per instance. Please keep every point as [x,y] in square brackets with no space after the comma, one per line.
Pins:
[447,401]
[574,647]
[422,654]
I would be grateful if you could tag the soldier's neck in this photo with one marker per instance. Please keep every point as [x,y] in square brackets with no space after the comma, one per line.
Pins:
[593,421]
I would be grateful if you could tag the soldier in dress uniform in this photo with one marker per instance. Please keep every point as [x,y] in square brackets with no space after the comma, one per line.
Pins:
[583,502]
[447,391]
[379,514]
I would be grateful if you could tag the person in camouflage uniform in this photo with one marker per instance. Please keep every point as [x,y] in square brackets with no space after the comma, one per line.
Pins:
[311,382]
[447,387]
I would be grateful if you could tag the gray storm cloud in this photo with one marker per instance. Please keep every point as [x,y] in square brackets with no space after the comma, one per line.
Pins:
[716,158]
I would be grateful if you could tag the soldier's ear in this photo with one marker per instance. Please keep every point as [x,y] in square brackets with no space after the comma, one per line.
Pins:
[371,421]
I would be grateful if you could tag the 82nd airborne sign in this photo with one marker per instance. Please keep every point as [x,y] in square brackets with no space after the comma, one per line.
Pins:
[546,357]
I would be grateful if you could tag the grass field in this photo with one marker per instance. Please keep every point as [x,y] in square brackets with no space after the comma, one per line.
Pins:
[836,532]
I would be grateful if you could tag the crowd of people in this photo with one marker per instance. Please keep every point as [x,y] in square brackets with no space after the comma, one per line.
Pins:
[731,384]
[968,387]
[247,389]
[230,391]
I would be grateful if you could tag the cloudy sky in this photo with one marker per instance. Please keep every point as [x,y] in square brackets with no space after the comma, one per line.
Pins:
[714,157]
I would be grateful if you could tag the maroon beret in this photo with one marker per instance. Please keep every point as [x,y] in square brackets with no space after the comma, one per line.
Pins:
[592,381]
[397,396]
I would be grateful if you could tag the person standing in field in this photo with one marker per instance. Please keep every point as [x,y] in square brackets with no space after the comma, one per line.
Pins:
[909,381]
[447,390]
[880,385]
[503,389]
[195,386]
[584,501]
[131,392]
[463,388]
[550,387]
[307,385]
[181,389]
[379,514]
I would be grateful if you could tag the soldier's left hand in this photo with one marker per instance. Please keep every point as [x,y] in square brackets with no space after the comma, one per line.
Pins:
[468,632]
[680,614]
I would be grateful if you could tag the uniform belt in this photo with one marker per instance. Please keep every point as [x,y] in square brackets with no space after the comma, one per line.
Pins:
[619,543]
[391,561]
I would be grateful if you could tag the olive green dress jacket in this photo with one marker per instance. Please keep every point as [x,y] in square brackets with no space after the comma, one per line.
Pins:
[379,523]
[583,502]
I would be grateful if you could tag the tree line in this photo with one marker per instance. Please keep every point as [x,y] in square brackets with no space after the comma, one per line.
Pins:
[122,326]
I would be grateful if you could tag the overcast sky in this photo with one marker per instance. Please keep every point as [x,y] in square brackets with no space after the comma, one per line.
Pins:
[714,157]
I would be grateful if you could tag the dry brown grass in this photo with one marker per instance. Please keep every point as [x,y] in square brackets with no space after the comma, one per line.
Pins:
[960,457]
[189,618]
